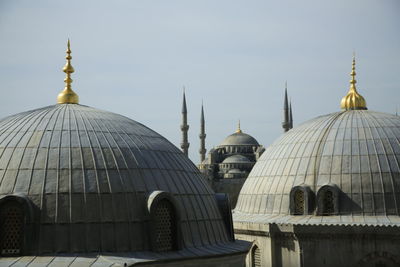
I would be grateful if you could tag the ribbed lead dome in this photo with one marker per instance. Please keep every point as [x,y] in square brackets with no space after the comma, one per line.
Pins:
[239,138]
[88,174]
[356,151]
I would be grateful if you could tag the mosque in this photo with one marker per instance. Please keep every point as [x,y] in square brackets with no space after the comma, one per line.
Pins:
[81,186]
[227,165]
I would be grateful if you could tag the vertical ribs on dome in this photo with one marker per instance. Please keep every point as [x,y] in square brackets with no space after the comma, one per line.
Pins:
[68,96]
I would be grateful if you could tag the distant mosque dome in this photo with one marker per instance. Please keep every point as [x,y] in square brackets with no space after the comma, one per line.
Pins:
[235,171]
[239,139]
[236,159]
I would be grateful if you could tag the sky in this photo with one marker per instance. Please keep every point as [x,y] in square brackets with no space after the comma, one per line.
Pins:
[134,57]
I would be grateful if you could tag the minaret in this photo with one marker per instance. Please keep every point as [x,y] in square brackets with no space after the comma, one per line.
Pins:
[184,127]
[286,122]
[68,96]
[290,115]
[202,136]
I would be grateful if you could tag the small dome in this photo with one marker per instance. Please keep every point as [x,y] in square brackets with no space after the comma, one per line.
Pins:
[236,159]
[239,138]
[235,171]
[356,151]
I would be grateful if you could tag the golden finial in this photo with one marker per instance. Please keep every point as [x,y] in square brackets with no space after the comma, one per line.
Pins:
[353,100]
[68,96]
[238,128]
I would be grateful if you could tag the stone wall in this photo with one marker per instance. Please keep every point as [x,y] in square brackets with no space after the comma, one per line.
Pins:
[317,245]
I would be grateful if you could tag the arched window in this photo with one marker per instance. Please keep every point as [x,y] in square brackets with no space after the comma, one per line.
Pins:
[12,219]
[302,200]
[328,200]
[327,203]
[164,226]
[299,202]
[255,257]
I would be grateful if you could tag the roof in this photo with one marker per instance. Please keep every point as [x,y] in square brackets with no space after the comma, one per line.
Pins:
[130,259]
[357,150]
[89,172]
[236,159]
[344,220]
[239,138]
[235,171]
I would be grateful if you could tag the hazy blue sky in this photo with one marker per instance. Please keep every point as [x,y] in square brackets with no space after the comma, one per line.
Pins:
[133,57]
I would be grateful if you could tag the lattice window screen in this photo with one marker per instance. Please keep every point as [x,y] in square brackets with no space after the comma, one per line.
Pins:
[256,257]
[299,202]
[12,219]
[165,227]
[328,203]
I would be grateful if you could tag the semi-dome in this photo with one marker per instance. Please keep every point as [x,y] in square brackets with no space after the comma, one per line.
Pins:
[236,159]
[235,171]
[88,174]
[355,153]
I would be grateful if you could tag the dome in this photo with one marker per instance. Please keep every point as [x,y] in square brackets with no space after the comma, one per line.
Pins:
[241,139]
[235,171]
[356,153]
[236,159]
[88,174]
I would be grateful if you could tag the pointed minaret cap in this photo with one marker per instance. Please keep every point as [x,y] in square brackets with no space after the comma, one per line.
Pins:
[184,109]
[238,128]
[68,96]
[353,100]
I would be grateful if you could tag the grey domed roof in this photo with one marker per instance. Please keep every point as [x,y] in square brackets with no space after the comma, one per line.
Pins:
[89,172]
[358,151]
[236,159]
[235,171]
[239,139]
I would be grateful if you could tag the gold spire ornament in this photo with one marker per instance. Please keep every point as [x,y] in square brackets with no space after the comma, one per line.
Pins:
[353,100]
[238,128]
[68,96]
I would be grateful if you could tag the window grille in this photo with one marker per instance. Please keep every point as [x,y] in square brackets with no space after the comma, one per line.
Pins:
[299,202]
[256,257]
[328,203]
[164,227]
[12,219]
